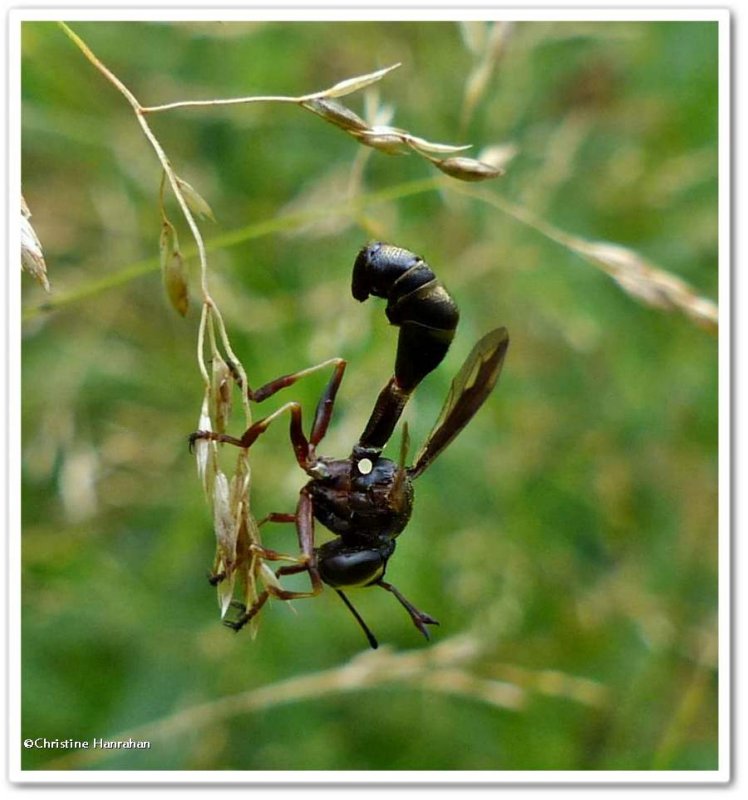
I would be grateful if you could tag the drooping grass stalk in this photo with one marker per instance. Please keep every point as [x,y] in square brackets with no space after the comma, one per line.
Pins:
[165,164]
[453,668]
[644,282]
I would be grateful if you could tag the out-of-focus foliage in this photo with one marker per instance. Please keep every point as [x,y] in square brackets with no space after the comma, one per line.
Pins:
[571,530]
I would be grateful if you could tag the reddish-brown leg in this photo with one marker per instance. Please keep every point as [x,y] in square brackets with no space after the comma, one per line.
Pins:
[298,440]
[270,388]
[277,516]
[305,456]
[281,594]
[304,519]
[303,448]
[323,414]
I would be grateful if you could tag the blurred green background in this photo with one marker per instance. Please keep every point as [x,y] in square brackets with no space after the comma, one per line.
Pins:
[569,535]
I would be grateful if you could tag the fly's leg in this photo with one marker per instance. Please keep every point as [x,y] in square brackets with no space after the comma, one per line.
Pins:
[304,448]
[271,387]
[307,562]
[373,643]
[420,618]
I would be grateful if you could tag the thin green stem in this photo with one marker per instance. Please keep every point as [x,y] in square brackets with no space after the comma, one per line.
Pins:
[339,90]
[105,71]
[218,318]
[225,102]
[233,238]
[519,213]
[201,344]
[156,145]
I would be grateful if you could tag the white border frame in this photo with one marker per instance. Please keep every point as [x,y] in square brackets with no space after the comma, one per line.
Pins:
[304,11]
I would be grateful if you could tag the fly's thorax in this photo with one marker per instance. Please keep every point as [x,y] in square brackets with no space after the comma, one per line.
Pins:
[365,498]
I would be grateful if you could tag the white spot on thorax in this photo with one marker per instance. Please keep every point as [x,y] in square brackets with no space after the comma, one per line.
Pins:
[365,466]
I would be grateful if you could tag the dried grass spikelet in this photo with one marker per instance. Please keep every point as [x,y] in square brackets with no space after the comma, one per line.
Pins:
[640,279]
[393,140]
[32,256]
[491,163]
[247,564]
[203,448]
[467,169]
[226,532]
[238,561]
[222,381]
[384,138]
[650,284]
[230,520]
[172,269]
[223,517]
[336,113]
[195,200]
[498,155]
[396,141]
[350,85]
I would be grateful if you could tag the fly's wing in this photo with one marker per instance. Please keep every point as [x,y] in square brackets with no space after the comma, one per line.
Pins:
[397,492]
[469,390]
